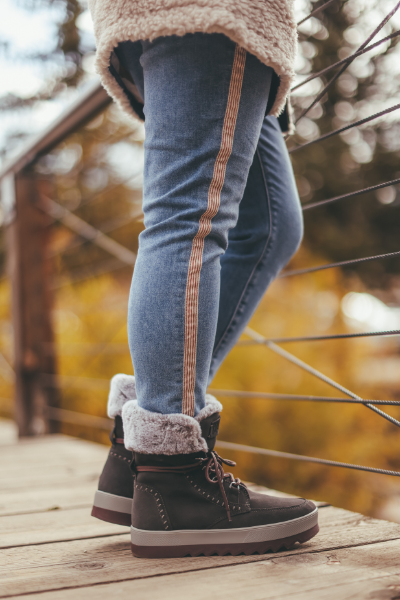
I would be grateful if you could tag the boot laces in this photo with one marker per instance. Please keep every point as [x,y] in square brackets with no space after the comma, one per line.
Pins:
[214,472]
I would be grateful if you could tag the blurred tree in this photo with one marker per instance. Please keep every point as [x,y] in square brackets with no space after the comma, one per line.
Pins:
[66,51]
[361,157]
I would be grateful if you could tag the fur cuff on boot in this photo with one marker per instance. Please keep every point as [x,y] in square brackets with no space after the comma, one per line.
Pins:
[153,433]
[122,389]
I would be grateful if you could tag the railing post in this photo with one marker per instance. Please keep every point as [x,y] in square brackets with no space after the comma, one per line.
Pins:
[29,270]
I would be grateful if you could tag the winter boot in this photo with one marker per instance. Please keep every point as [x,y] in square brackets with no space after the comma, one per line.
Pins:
[113,499]
[185,505]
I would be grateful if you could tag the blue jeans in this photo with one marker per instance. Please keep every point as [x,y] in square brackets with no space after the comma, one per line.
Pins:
[222,213]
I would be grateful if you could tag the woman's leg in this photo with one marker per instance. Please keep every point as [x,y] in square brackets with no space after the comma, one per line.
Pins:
[205,100]
[204,104]
[268,233]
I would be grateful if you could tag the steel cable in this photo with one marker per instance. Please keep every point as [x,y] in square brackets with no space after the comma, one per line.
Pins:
[298,397]
[345,60]
[318,338]
[107,228]
[337,264]
[349,61]
[371,188]
[293,359]
[347,127]
[320,461]
[317,10]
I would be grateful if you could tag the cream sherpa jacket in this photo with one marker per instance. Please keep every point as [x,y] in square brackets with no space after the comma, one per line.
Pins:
[265,28]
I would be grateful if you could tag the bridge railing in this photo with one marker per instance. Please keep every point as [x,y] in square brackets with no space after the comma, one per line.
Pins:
[70,228]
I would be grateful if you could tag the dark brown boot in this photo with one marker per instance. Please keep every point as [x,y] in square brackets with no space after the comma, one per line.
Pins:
[185,505]
[113,499]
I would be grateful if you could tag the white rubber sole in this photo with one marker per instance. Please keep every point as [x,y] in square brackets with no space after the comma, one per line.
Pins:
[112,508]
[245,540]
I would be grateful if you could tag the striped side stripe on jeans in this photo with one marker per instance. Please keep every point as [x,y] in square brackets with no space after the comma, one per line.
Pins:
[196,256]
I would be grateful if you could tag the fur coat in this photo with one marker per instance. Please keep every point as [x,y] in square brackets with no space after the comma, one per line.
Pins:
[265,28]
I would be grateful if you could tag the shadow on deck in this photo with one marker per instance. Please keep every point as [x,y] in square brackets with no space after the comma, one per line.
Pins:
[53,549]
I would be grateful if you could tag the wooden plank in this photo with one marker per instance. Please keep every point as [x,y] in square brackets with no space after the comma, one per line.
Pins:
[49,566]
[53,526]
[349,573]
[41,500]
[45,451]
[56,439]
[52,476]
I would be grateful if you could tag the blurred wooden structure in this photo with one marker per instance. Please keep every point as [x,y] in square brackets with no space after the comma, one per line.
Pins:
[53,549]
[27,219]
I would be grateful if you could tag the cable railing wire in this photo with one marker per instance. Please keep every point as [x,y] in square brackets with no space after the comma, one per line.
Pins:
[299,397]
[371,188]
[293,359]
[347,127]
[311,459]
[343,263]
[86,420]
[355,55]
[319,338]
[107,228]
[349,61]
[318,10]
[88,232]
[103,384]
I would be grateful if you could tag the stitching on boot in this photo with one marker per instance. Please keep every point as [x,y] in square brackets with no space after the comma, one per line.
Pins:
[215,500]
[124,458]
[159,503]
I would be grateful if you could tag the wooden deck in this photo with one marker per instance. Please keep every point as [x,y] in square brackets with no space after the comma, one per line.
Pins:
[52,549]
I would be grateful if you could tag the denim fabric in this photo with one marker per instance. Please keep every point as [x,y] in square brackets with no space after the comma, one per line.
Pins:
[255,232]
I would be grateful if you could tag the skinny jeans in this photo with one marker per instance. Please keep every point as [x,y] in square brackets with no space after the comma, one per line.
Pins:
[221,211]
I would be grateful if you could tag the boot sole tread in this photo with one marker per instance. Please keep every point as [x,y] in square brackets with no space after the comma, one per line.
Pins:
[112,508]
[224,549]
[248,540]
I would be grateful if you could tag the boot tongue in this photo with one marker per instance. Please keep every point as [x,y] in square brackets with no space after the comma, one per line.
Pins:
[210,428]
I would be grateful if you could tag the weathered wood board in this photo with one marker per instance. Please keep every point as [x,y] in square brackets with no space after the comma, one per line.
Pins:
[49,566]
[349,573]
[53,549]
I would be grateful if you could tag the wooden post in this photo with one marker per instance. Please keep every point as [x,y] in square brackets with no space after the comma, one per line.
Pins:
[29,269]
